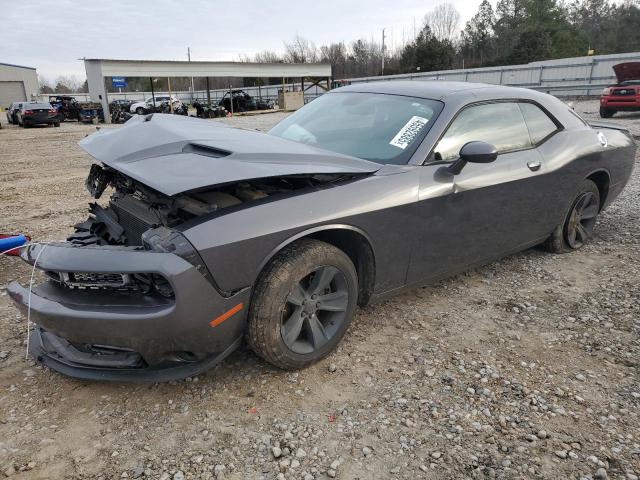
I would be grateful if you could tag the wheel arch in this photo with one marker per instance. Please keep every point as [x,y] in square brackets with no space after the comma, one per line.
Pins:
[602,180]
[353,241]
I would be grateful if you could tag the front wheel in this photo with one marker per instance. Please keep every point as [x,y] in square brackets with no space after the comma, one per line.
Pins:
[302,305]
[140,111]
[577,228]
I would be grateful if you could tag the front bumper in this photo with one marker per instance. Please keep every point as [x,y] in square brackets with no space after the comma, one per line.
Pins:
[127,336]
[621,102]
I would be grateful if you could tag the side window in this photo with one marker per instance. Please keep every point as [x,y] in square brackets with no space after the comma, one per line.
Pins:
[500,124]
[539,124]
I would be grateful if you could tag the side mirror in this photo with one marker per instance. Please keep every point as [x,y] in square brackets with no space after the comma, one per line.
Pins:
[474,152]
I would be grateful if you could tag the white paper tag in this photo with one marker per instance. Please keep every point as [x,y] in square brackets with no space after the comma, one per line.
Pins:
[410,131]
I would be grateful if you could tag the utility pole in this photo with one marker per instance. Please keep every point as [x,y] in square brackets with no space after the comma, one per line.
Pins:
[382,72]
[189,58]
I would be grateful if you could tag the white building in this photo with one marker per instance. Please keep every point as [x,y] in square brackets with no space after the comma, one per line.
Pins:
[17,83]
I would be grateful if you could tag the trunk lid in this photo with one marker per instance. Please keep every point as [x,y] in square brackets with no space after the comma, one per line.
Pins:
[39,112]
[174,154]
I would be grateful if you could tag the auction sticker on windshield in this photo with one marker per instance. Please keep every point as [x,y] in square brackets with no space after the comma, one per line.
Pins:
[409,132]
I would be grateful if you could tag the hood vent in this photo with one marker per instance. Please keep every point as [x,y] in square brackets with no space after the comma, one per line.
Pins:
[204,150]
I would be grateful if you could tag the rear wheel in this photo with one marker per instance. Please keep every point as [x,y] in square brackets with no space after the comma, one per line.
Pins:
[606,112]
[303,304]
[140,111]
[577,228]
[57,124]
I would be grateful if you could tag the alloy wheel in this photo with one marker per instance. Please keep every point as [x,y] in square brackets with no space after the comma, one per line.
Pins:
[314,310]
[579,226]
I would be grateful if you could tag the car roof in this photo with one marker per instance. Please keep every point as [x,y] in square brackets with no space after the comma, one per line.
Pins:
[432,89]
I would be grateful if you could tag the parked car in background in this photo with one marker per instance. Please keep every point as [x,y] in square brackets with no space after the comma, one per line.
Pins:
[122,104]
[215,234]
[37,113]
[12,112]
[147,106]
[242,101]
[625,95]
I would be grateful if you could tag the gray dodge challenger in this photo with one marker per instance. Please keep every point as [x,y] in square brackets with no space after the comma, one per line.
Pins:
[212,234]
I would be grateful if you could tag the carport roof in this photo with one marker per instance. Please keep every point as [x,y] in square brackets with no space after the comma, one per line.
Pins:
[182,68]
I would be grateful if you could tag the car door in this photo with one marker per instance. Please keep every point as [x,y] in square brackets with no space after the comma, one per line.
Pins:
[487,210]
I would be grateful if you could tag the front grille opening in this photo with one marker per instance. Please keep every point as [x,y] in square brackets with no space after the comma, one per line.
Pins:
[96,280]
[142,283]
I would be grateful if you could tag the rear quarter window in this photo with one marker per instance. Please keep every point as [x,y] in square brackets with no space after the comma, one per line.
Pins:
[538,122]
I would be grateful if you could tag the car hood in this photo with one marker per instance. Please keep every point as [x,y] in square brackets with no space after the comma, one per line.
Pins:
[627,71]
[174,154]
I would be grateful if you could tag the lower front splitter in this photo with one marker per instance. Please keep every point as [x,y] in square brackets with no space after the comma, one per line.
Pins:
[59,363]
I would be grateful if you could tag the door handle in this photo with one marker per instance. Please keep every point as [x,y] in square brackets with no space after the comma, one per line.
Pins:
[534,165]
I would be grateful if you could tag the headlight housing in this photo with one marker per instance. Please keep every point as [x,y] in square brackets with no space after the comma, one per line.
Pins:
[163,239]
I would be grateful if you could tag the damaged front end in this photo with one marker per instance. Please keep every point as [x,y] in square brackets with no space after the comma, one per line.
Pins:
[127,296]
[124,313]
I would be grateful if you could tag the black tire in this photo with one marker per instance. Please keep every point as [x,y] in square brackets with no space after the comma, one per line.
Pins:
[57,124]
[577,228]
[290,328]
[140,111]
[606,112]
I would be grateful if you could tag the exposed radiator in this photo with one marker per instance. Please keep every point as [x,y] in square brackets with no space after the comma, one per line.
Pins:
[135,217]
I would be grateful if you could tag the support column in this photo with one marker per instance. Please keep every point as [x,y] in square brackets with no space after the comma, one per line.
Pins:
[97,90]
[153,94]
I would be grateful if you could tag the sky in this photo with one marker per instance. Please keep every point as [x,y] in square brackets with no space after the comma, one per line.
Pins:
[53,35]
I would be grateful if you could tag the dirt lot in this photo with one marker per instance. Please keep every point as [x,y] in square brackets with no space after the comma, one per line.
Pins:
[526,368]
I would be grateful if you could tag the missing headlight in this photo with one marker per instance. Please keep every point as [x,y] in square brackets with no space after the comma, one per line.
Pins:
[163,239]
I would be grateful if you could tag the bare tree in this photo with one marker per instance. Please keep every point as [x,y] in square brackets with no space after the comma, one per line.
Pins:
[300,50]
[443,21]
[268,56]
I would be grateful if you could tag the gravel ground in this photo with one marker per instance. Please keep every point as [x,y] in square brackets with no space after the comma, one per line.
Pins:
[525,368]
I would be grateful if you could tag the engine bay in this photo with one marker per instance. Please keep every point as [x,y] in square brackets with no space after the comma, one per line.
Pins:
[134,208]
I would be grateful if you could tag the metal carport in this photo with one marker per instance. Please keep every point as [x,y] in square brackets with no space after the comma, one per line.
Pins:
[99,68]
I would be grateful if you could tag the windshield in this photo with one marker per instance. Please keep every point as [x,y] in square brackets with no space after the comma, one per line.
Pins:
[373,126]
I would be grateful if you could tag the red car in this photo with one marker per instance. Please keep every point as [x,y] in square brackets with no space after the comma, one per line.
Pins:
[626,94]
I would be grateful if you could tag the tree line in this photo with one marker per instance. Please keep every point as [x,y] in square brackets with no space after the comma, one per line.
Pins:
[514,32]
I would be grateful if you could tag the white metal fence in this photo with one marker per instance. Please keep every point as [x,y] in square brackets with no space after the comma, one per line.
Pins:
[579,76]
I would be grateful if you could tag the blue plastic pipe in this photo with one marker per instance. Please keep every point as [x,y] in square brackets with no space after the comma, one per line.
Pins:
[12,242]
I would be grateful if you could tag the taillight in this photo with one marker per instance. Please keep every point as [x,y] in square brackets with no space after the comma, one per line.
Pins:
[606,91]
[28,112]
[52,111]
